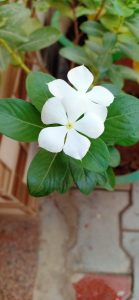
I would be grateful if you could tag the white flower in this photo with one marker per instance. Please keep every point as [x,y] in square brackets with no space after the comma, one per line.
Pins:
[97,99]
[70,115]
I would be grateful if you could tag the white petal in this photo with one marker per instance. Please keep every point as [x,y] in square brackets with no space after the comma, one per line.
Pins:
[60,89]
[74,107]
[100,95]
[53,112]
[90,125]
[76,145]
[81,78]
[99,110]
[52,138]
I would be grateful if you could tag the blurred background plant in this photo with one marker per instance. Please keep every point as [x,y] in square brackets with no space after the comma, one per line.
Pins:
[99,34]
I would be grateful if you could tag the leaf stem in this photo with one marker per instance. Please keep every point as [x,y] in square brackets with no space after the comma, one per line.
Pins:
[99,11]
[15,56]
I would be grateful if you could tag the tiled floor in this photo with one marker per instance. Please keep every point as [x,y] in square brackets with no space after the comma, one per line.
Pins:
[81,248]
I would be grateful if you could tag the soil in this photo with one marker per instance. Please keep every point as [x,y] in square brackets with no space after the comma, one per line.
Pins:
[129,159]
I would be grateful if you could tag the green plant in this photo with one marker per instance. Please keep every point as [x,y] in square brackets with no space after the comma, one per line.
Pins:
[109,32]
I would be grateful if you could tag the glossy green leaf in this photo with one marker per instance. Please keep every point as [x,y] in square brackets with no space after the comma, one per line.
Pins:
[97,158]
[114,157]
[37,88]
[47,173]
[107,180]
[41,38]
[112,88]
[123,119]
[19,120]
[66,183]
[83,178]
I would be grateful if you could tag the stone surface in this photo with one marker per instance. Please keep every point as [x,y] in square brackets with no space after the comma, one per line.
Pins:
[130,219]
[97,248]
[18,256]
[131,244]
[52,280]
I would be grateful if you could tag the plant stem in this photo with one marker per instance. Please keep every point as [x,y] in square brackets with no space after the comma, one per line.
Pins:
[15,56]
[98,13]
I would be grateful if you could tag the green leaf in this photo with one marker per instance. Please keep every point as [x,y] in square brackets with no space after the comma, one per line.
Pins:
[92,28]
[125,73]
[123,119]
[13,9]
[133,25]
[107,180]
[128,46]
[37,88]
[47,173]
[112,88]
[76,54]
[119,8]
[83,178]
[10,35]
[66,183]
[41,38]
[19,120]
[97,158]
[111,22]
[114,157]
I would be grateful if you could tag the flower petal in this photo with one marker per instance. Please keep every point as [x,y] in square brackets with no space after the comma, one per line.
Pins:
[90,125]
[74,107]
[81,78]
[76,145]
[100,95]
[52,138]
[99,110]
[53,112]
[60,89]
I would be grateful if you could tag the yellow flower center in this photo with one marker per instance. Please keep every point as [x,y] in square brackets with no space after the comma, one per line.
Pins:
[70,125]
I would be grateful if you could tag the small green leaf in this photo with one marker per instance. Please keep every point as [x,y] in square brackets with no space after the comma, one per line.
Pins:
[83,178]
[19,120]
[114,157]
[47,173]
[128,46]
[10,35]
[125,73]
[37,88]
[133,25]
[76,54]
[41,38]
[92,28]
[97,158]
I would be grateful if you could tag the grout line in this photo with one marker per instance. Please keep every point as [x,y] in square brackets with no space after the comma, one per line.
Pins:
[130,204]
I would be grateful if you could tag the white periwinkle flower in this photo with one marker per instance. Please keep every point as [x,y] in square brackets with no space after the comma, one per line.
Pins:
[98,98]
[70,115]
[80,114]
